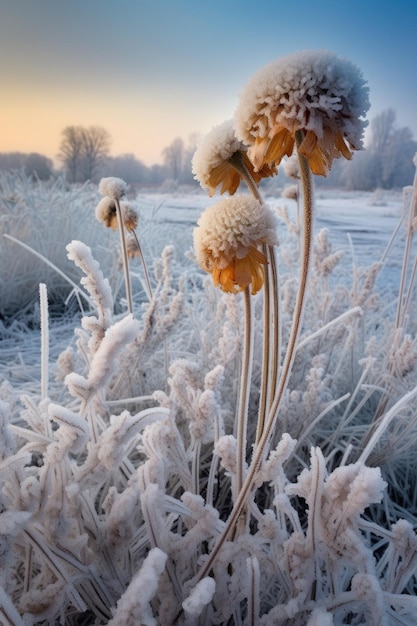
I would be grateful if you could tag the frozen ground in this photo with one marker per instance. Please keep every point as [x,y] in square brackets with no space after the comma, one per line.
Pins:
[359,224]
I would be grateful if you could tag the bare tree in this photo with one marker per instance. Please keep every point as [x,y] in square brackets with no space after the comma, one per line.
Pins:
[83,151]
[391,150]
[174,158]
[70,152]
[95,150]
[382,128]
[34,164]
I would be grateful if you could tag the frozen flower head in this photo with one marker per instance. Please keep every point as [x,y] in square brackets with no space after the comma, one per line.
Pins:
[214,160]
[226,242]
[107,214]
[290,192]
[130,217]
[112,187]
[132,247]
[312,91]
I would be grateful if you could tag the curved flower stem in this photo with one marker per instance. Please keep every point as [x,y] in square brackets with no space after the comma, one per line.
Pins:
[124,256]
[307,184]
[271,310]
[236,160]
[145,268]
[43,298]
[244,393]
[271,341]
[262,448]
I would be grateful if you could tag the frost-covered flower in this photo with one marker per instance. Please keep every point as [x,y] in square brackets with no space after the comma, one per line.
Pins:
[213,161]
[290,192]
[315,92]
[130,216]
[132,247]
[107,214]
[226,242]
[113,187]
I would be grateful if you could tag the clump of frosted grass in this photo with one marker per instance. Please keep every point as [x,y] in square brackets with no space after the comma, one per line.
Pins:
[134,487]
[43,217]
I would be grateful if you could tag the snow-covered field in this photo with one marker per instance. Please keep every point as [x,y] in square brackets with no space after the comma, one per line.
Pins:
[117,440]
[360,224]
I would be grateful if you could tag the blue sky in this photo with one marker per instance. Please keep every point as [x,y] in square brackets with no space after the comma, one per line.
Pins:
[152,70]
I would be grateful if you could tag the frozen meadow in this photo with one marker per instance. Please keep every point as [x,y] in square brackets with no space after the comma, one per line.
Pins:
[208,407]
[111,494]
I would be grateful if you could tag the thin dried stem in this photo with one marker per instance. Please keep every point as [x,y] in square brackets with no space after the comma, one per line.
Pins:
[43,298]
[145,268]
[244,392]
[271,341]
[270,351]
[124,256]
[238,163]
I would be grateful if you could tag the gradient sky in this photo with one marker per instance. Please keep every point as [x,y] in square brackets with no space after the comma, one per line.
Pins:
[152,70]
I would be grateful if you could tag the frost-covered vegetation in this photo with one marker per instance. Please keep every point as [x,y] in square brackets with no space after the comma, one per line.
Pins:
[233,455]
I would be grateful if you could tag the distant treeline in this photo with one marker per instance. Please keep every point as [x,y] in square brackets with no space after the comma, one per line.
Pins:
[34,164]
[84,154]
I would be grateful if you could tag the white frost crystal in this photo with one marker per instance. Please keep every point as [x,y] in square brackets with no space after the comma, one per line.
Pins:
[200,596]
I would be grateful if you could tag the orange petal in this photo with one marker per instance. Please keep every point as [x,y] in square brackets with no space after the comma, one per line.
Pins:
[318,162]
[342,147]
[281,144]
[256,153]
[308,144]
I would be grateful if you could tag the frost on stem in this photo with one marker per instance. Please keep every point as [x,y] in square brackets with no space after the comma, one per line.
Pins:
[71,435]
[335,503]
[103,365]
[320,617]
[134,606]
[7,439]
[200,596]
[201,406]
[97,286]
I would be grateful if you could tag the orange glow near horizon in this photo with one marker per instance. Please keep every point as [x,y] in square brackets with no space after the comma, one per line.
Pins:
[34,121]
